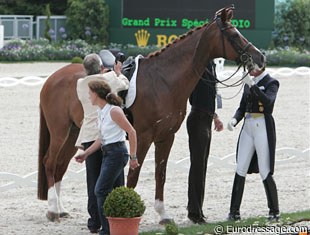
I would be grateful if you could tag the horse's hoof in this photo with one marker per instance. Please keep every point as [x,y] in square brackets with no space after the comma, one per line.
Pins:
[166,221]
[64,215]
[53,217]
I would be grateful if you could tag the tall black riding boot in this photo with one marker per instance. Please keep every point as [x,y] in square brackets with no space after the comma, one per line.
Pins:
[236,197]
[272,198]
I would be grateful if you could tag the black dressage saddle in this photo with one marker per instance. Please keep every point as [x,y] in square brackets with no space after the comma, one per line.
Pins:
[109,59]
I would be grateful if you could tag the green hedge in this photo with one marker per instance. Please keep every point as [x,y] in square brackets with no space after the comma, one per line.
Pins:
[43,50]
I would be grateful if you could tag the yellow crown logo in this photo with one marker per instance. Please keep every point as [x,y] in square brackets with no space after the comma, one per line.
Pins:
[142,37]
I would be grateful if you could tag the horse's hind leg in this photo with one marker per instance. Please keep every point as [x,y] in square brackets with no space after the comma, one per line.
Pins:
[57,141]
[162,150]
[66,153]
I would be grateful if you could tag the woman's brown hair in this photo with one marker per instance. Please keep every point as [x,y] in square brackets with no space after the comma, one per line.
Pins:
[103,90]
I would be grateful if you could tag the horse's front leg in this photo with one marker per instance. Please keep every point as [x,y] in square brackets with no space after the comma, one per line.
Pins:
[144,143]
[162,150]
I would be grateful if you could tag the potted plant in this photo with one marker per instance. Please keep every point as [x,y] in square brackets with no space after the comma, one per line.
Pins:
[124,207]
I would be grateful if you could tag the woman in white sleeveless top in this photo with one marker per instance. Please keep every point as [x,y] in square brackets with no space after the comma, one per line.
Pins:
[113,126]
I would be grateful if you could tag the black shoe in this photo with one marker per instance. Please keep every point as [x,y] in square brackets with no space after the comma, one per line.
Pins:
[94,230]
[273,217]
[233,217]
[196,219]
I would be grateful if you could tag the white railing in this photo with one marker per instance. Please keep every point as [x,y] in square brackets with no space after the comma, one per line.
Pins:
[28,81]
[222,73]
[14,180]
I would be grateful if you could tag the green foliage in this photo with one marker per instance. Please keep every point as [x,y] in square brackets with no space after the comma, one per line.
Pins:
[133,50]
[47,30]
[31,7]
[20,7]
[171,229]
[292,24]
[292,57]
[42,50]
[77,60]
[123,202]
[88,20]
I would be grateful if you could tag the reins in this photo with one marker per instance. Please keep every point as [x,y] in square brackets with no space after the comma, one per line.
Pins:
[235,84]
[245,59]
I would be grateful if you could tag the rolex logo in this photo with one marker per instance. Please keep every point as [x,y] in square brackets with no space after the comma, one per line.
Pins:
[142,37]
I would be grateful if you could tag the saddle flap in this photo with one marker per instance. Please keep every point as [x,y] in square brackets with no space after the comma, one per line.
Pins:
[129,67]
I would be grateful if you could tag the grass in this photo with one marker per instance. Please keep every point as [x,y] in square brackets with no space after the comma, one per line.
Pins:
[221,226]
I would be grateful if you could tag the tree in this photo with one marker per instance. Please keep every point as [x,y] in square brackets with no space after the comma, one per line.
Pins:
[19,7]
[292,24]
[88,20]
[47,31]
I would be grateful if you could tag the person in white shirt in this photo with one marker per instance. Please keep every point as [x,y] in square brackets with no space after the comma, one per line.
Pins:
[257,140]
[113,126]
[89,130]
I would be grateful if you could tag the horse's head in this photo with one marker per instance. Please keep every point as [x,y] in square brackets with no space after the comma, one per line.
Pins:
[235,46]
[229,42]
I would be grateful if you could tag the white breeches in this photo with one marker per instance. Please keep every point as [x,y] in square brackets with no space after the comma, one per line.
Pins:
[253,137]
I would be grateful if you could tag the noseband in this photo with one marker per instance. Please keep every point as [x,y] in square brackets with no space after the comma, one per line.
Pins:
[245,58]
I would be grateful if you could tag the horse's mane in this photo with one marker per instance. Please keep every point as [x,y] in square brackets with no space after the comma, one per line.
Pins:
[218,14]
[181,37]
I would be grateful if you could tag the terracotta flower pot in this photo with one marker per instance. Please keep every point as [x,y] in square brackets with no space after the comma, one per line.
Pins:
[124,226]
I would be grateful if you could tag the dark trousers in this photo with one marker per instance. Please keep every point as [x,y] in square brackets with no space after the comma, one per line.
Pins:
[199,133]
[111,176]
[93,166]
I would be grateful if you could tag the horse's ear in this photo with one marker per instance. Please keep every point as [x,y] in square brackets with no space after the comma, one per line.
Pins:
[218,13]
[223,15]
[230,14]
[227,13]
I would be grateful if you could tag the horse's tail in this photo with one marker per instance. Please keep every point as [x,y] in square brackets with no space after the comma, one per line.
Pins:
[44,140]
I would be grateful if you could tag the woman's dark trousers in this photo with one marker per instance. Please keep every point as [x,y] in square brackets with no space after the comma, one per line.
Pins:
[93,166]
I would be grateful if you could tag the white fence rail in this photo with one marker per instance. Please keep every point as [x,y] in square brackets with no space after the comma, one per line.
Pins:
[222,73]
[290,155]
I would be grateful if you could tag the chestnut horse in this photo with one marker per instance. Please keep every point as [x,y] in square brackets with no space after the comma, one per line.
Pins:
[165,80]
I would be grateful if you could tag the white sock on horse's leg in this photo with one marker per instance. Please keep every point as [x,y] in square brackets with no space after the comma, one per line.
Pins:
[52,200]
[61,208]
[160,209]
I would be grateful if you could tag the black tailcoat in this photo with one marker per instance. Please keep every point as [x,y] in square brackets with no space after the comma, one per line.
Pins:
[260,98]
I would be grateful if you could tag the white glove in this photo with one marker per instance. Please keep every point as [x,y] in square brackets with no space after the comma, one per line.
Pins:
[247,79]
[231,124]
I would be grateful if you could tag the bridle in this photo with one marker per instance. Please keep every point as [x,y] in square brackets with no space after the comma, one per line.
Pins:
[245,59]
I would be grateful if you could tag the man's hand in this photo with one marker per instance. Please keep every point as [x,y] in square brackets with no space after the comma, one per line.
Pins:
[118,68]
[218,124]
[247,79]
[80,157]
[231,124]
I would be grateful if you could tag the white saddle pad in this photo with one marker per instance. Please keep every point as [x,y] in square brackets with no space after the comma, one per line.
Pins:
[131,94]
